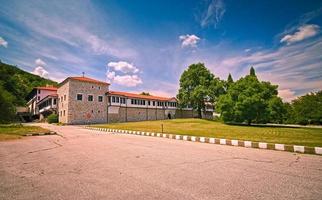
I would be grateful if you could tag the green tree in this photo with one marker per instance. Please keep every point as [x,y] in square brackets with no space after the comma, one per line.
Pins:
[229,82]
[197,86]
[252,71]
[230,79]
[277,110]
[7,109]
[247,100]
[308,108]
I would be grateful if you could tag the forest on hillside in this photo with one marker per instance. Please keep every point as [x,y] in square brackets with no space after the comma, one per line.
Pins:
[15,84]
[19,83]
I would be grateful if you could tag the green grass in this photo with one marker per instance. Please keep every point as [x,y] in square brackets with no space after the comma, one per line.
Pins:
[16,131]
[197,127]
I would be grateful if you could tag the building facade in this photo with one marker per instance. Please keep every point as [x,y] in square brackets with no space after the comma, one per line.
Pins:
[41,100]
[82,100]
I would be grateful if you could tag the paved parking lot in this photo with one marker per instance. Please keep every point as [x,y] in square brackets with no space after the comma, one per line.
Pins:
[83,164]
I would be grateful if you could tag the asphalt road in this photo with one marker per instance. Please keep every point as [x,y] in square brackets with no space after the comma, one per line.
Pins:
[83,164]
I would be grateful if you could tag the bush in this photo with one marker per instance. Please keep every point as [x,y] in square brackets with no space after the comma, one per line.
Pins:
[53,118]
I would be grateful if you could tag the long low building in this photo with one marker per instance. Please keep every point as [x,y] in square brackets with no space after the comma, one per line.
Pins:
[83,100]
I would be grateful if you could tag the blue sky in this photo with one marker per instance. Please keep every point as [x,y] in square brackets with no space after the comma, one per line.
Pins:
[145,45]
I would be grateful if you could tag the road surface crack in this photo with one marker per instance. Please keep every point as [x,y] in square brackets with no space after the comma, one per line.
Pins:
[46,149]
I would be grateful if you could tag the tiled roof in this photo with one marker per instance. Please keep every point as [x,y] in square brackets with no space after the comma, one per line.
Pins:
[86,79]
[140,96]
[51,88]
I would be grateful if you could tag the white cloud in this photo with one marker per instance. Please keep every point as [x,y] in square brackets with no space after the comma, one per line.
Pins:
[189,40]
[125,80]
[303,32]
[110,75]
[40,62]
[287,95]
[40,71]
[123,66]
[213,14]
[3,42]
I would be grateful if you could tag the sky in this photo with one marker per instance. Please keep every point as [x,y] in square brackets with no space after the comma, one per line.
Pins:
[146,45]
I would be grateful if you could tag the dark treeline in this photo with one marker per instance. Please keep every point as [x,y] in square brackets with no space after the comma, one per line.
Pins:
[15,84]
[247,100]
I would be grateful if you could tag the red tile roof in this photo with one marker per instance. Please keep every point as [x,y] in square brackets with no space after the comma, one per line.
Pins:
[86,79]
[51,88]
[140,96]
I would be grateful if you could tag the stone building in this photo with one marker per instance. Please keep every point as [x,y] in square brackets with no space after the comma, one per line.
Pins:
[82,100]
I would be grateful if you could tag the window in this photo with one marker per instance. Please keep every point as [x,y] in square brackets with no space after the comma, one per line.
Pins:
[113,99]
[122,100]
[79,97]
[117,99]
[153,103]
[100,98]
[92,111]
[55,101]
[39,91]
[109,99]
[92,87]
[64,112]
[99,88]
[61,113]
[132,101]
[65,97]
[38,98]
[61,98]
[90,97]
[148,102]
[99,111]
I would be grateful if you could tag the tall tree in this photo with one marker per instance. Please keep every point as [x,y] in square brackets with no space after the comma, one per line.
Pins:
[247,100]
[252,71]
[230,79]
[195,87]
[229,82]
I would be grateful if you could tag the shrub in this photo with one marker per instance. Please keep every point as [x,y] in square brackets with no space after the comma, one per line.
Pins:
[53,118]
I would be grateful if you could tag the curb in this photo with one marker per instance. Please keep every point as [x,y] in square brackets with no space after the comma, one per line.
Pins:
[221,141]
[40,134]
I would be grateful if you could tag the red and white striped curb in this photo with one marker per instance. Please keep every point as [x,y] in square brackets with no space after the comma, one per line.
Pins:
[240,143]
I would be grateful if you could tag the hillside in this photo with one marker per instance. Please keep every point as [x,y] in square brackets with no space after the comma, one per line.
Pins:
[19,83]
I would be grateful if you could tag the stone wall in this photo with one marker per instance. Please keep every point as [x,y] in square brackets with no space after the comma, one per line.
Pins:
[184,113]
[132,114]
[82,112]
[63,105]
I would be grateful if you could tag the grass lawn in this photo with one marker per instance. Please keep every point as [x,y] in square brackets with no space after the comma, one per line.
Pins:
[198,127]
[16,131]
